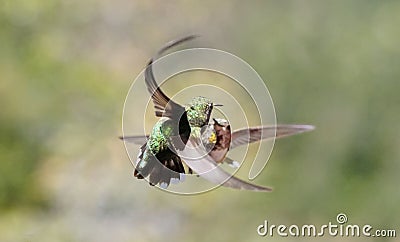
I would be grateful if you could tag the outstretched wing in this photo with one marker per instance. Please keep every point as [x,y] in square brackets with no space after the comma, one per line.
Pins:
[136,139]
[254,134]
[163,105]
[246,135]
[208,169]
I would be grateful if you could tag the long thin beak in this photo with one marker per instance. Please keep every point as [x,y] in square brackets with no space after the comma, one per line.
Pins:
[218,105]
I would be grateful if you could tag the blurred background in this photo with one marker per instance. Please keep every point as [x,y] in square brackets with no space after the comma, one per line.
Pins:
[66,67]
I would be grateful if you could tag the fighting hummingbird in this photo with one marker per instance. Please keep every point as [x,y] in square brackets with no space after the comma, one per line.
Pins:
[158,156]
[217,138]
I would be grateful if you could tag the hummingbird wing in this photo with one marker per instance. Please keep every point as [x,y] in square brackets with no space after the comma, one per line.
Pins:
[254,134]
[246,135]
[208,169]
[163,105]
[135,139]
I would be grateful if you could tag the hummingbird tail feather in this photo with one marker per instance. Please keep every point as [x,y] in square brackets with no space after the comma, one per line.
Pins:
[159,170]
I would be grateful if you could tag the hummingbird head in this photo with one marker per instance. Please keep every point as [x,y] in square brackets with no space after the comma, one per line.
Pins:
[198,111]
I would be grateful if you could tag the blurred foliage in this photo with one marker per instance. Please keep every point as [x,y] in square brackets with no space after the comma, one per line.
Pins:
[66,67]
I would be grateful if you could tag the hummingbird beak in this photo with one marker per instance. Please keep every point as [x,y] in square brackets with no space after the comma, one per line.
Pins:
[218,105]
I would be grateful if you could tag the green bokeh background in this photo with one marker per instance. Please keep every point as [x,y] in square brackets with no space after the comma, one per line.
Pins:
[66,66]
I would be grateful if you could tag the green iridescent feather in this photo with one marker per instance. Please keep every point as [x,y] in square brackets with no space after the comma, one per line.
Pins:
[162,131]
[198,111]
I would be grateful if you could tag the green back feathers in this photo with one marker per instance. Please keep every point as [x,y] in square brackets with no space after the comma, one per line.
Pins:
[160,135]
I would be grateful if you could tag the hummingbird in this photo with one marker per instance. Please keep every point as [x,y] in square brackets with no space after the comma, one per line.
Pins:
[158,158]
[217,138]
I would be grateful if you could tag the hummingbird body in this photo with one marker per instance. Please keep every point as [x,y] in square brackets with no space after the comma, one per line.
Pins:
[216,137]
[158,153]
[158,158]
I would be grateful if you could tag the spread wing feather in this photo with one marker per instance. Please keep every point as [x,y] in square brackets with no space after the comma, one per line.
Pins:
[163,105]
[208,169]
[135,139]
[254,134]
[247,135]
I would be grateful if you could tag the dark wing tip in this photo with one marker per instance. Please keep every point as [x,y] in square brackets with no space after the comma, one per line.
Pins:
[176,42]
[162,103]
